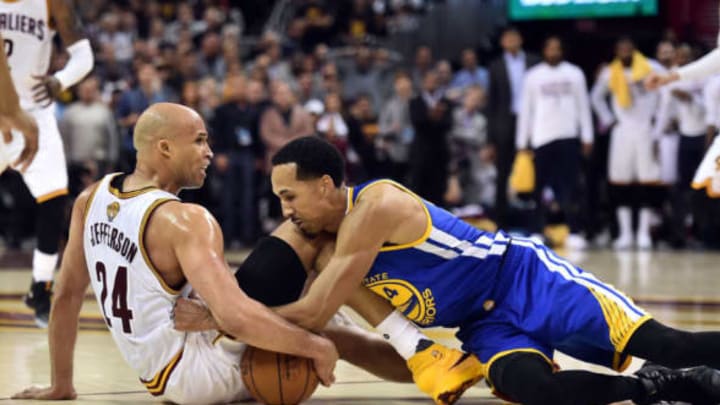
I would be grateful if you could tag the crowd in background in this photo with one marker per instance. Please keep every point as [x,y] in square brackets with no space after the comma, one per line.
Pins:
[449,129]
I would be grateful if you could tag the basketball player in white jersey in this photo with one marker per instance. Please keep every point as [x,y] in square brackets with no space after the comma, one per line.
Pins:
[140,248]
[707,175]
[28,28]
[12,117]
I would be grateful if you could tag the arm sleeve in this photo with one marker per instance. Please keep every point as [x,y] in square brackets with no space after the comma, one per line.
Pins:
[78,66]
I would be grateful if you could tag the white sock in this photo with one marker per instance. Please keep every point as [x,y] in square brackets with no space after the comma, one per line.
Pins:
[402,334]
[43,265]
[645,221]
[624,217]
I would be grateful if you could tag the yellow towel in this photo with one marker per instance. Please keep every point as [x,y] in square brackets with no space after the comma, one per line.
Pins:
[618,83]
[522,178]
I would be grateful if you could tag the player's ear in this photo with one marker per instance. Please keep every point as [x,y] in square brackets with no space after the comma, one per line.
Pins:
[164,146]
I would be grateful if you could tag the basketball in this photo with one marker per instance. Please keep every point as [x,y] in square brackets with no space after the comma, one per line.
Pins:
[277,378]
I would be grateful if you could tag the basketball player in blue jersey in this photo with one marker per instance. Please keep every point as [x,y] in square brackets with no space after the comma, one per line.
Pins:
[514,300]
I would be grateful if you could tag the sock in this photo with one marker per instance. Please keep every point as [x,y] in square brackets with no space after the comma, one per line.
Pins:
[402,335]
[624,217]
[644,221]
[43,265]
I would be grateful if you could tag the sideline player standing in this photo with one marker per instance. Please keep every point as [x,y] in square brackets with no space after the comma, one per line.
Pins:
[28,28]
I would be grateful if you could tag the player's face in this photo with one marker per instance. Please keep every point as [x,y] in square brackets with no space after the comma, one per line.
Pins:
[302,201]
[193,155]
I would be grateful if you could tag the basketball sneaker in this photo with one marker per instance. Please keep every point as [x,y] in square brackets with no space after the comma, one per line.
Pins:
[38,298]
[696,385]
[444,373]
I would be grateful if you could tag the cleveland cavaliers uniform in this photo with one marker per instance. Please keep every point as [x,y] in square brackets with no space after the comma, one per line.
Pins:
[505,294]
[27,43]
[198,367]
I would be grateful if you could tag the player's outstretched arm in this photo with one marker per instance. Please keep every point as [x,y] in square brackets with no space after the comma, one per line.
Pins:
[702,68]
[359,239]
[72,282]
[197,241]
[13,117]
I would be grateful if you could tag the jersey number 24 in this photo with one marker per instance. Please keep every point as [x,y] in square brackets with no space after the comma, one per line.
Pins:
[119,296]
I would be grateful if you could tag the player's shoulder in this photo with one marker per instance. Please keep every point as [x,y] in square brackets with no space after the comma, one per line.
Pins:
[384,196]
[181,218]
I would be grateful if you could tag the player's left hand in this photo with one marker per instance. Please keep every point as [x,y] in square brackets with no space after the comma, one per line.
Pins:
[655,80]
[46,90]
[50,393]
[191,315]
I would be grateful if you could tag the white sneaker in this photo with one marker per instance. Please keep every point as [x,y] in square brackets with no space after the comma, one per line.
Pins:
[623,242]
[575,241]
[643,241]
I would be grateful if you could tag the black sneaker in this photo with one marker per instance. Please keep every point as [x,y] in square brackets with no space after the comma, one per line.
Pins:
[697,385]
[38,298]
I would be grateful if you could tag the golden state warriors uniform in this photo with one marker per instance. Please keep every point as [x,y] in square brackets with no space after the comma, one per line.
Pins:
[195,367]
[505,294]
[27,42]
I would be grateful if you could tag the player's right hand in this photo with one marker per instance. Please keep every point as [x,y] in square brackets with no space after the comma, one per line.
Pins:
[25,124]
[324,361]
[192,315]
[49,393]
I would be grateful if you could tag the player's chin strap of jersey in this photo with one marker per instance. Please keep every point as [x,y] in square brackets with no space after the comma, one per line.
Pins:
[80,64]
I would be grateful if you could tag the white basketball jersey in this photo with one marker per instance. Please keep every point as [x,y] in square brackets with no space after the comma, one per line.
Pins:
[134,300]
[27,43]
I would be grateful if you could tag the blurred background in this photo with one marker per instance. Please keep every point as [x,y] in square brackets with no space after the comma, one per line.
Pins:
[421,91]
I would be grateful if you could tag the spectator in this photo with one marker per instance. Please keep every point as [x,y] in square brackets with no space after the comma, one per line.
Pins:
[90,134]
[211,62]
[467,138]
[363,74]
[332,126]
[551,86]
[149,90]
[429,155]
[237,148]
[363,125]
[121,41]
[471,73]
[445,76]
[396,131]
[504,97]
[318,18]
[423,63]
[283,121]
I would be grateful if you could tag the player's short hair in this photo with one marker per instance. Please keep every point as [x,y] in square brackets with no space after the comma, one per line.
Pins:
[314,158]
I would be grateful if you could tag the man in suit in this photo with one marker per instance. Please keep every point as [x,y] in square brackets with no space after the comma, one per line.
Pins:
[506,77]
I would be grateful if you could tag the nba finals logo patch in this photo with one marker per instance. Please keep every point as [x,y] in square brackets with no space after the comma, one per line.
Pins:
[416,306]
[112,210]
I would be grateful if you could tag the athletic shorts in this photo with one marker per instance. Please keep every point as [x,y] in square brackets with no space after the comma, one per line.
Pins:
[207,372]
[544,303]
[631,158]
[46,177]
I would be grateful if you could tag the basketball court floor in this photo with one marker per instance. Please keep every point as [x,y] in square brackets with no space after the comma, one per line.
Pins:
[679,288]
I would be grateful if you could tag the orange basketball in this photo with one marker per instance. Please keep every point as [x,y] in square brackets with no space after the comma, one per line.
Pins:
[276,378]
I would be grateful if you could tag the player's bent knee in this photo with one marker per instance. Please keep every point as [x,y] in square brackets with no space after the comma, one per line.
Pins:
[525,378]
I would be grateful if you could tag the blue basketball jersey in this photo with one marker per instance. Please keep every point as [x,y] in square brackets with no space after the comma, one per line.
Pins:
[446,277]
